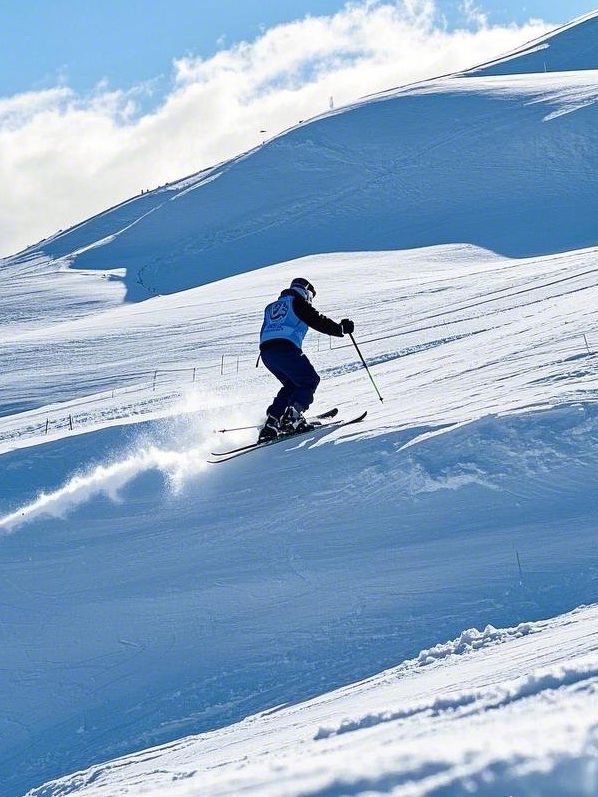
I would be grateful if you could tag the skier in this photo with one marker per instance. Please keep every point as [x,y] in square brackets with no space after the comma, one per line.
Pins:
[285,325]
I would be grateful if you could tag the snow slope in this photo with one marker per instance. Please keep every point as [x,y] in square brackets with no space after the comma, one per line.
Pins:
[202,595]
[503,711]
[569,48]
[504,161]
[147,595]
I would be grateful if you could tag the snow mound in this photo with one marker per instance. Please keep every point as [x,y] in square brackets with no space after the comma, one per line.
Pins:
[526,686]
[472,639]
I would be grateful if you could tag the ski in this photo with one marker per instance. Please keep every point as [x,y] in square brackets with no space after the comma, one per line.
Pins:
[316,424]
[321,417]
[237,452]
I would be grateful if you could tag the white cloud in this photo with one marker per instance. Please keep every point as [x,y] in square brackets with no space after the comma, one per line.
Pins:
[473,13]
[64,157]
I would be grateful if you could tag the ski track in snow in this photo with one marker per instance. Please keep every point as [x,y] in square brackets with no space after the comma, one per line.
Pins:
[248,619]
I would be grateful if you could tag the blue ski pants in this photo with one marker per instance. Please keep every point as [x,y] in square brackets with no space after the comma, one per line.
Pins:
[298,376]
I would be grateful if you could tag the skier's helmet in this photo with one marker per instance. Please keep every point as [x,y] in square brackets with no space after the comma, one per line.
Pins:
[304,288]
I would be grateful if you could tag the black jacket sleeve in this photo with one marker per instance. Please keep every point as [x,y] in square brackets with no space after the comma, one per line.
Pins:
[315,320]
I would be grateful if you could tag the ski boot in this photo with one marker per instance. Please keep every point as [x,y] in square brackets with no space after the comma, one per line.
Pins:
[293,422]
[270,430]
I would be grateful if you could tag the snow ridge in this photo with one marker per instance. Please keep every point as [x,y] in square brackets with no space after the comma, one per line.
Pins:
[583,674]
[472,639]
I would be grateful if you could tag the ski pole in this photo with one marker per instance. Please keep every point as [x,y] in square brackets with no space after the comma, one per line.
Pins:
[365,365]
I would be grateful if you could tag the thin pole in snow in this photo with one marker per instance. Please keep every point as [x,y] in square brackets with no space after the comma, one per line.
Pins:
[71,422]
[259,357]
[154,384]
[194,374]
[365,365]
[519,567]
[586,340]
[47,424]
[222,365]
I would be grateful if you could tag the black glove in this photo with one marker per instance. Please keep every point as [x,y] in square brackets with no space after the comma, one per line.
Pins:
[347,326]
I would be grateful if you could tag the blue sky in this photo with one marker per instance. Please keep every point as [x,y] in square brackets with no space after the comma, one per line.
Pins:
[81,42]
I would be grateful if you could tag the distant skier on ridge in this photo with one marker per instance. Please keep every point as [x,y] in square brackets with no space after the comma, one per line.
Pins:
[285,325]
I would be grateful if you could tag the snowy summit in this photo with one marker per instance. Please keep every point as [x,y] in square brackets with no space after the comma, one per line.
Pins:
[404,605]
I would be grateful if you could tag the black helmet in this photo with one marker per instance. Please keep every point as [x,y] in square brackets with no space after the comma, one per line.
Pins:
[304,288]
